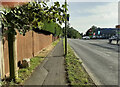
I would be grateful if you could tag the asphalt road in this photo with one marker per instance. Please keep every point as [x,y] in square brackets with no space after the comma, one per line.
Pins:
[100,59]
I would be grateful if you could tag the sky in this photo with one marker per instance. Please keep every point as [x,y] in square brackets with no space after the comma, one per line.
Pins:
[83,15]
[86,13]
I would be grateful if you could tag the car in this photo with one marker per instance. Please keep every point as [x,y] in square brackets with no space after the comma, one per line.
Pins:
[86,38]
[93,37]
[116,38]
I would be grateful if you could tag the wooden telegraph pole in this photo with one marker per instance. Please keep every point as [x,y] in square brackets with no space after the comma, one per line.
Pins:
[65,27]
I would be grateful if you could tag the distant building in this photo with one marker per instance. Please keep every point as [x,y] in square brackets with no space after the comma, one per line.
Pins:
[105,32]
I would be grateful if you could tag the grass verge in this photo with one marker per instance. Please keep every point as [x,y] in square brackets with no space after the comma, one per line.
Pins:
[25,73]
[75,73]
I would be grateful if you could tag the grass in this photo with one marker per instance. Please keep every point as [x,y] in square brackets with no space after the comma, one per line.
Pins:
[25,73]
[76,74]
[55,43]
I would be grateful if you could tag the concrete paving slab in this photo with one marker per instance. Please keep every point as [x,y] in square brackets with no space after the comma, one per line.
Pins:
[38,76]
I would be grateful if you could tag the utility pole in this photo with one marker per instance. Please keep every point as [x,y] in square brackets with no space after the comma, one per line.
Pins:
[65,27]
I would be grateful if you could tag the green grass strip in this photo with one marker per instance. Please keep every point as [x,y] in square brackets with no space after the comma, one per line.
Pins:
[24,73]
[76,74]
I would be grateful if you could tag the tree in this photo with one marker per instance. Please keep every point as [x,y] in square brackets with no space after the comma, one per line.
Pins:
[73,33]
[32,16]
[28,17]
[93,28]
[91,31]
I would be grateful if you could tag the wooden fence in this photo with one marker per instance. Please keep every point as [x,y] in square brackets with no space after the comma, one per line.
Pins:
[27,46]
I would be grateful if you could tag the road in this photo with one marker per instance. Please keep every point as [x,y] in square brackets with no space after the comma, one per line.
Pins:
[99,58]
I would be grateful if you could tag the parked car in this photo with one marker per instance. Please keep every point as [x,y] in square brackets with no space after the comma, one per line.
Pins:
[94,37]
[86,37]
[116,38]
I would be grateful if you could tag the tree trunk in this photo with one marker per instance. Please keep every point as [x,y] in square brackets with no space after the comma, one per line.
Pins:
[12,56]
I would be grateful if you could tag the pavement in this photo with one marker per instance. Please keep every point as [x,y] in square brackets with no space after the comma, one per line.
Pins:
[51,71]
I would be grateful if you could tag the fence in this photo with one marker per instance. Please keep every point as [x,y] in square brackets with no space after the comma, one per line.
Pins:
[27,46]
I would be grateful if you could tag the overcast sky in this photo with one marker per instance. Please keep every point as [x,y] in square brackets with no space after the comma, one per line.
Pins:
[101,13]
[85,14]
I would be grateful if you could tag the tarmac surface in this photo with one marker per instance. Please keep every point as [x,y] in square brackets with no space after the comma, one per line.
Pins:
[51,71]
[100,59]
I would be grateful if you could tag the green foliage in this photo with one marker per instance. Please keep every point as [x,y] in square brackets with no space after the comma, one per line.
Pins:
[72,33]
[24,73]
[58,30]
[56,42]
[52,27]
[32,15]
[76,75]
[93,29]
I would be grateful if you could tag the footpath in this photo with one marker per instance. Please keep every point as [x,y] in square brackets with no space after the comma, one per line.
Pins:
[51,71]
